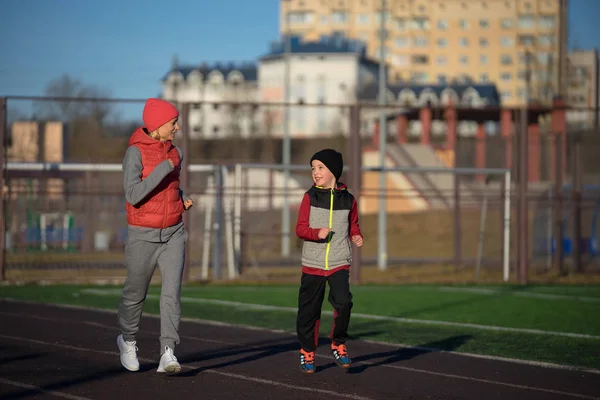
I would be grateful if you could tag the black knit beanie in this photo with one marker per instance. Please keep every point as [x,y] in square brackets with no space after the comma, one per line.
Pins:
[332,159]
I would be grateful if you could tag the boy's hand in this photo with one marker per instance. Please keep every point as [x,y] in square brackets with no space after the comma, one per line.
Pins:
[188,204]
[357,240]
[323,232]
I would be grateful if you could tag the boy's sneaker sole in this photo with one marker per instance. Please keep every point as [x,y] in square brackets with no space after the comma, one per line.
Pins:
[307,371]
[340,364]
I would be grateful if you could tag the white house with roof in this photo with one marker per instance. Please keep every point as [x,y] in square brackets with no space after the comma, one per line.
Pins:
[323,76]
[329,72]
[212,86]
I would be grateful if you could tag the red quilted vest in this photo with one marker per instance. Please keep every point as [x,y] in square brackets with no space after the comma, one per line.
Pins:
[162,207]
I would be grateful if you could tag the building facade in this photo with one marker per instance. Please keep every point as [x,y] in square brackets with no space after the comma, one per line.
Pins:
[213,86]
[435,41]
[318,79]
[583,88]
[322,77]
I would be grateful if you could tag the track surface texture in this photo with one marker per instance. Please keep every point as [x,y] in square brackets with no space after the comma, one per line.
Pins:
[54,352]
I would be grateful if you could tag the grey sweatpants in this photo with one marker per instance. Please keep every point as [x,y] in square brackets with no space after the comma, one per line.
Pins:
[141,259]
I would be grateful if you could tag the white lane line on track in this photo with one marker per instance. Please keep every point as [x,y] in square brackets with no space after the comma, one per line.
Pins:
[40,390]
[262,307]
[398,367]
[191,368]
[283,332]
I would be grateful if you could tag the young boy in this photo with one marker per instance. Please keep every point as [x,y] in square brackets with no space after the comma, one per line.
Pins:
[328,222]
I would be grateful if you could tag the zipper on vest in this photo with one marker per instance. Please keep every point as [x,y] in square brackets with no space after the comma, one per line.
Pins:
[330,226]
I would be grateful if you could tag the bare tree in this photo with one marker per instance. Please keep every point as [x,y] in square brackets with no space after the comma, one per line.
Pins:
[68,110]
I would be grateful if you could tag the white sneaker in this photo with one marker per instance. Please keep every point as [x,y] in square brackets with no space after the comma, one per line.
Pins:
[128,354]
[168,362]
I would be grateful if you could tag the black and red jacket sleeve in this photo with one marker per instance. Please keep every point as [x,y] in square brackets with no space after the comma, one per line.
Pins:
[303,229]
[354,226]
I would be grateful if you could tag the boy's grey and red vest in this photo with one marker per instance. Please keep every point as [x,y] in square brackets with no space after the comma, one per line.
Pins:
[333,208]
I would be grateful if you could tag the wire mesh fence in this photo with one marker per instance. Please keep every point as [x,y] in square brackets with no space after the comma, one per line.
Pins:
[444,194]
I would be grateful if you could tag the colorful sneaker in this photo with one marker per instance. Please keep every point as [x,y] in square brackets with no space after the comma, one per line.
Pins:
[340,354]
[307,361]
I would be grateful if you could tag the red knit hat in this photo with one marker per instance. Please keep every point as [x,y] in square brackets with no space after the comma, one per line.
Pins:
[158,112]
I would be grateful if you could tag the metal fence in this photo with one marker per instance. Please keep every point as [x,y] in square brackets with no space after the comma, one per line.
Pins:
[450,201]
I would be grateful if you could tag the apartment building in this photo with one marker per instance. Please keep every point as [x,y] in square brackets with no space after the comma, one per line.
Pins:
[516,44]
[583,91]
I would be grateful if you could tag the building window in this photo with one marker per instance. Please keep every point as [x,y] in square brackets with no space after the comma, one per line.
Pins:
[526,21]
[442,42]
[420,24]
[505,59]
[580,72]
[420,59]
[441,60]
[484,24]
[300,17]
[299,89]
[321,90]
[522,75]
[362,19]
[442,80]
[483,59]
[324,20]
[442,24]
[547,22]
[464,42]
[401,24]
[483,42]
[401,42]
[506,95]
[506,23]
[507,41]
[464,60]
[400,60]
[386,16]
[526,40]
[321,118]
[526,58]
[339,17]
[464,24]
[419,77]
[544,58]
[546,40]
[484,78]
[505,77]
[421,41]
[299,118]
